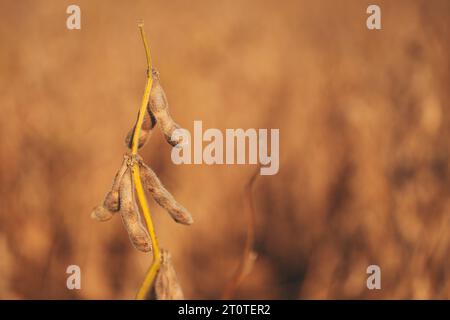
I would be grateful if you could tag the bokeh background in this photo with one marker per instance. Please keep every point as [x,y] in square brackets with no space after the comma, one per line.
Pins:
[364,145]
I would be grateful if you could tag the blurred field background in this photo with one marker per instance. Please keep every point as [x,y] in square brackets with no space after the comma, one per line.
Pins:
[364,145]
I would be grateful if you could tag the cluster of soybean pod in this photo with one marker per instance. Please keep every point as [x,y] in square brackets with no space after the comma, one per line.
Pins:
[121,197]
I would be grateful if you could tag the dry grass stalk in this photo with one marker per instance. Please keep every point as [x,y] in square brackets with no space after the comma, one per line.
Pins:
[249,256]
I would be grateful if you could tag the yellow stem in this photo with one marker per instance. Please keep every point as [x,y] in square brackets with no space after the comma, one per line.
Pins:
[151,273]
[146,97]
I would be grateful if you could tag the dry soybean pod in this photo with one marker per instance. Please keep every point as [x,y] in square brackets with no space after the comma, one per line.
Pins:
[100,213]
[110,204]
[167,286]
[146,130]
[160,108]
[163,197]
[130,215]
[112,199]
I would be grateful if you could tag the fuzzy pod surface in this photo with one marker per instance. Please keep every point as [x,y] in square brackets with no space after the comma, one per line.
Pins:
[111,203]
[148,124]
[130,215]
[159,107]
[163,197]
[167,286]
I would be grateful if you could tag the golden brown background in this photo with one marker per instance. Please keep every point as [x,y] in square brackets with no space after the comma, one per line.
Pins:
[364,145]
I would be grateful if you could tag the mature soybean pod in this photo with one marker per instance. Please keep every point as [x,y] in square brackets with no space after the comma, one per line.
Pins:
[130,215]
[167,286]
[110,204]
[163,197]
[146,130]
[112,199]
[100,213]
[160,108]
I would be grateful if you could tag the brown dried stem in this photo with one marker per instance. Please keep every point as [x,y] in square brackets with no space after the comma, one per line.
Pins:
[249,255]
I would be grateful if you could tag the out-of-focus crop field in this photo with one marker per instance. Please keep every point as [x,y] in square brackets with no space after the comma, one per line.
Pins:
[364,145]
